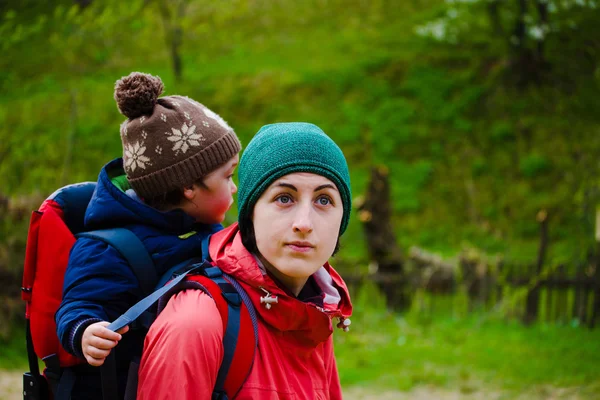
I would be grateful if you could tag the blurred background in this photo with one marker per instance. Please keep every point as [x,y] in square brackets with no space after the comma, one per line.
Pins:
[472,131]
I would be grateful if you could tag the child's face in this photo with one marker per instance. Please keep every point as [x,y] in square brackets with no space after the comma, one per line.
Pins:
[209,204]
[296,224]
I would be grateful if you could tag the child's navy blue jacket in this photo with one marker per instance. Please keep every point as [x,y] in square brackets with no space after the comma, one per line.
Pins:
[99,285]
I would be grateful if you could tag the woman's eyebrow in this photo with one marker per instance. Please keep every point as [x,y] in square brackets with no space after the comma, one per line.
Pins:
[320,187]
[326,186]
[287,185]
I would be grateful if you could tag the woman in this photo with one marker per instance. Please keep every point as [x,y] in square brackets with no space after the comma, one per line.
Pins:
[294,203]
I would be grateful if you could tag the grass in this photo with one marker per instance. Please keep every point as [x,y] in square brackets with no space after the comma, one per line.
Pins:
[401,352]
[13,350]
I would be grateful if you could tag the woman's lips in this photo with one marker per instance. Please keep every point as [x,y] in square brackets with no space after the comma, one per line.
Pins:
[301,247]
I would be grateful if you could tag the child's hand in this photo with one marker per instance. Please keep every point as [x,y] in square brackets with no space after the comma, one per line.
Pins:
[97,342]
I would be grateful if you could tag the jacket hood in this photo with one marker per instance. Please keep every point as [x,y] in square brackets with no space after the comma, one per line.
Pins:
[308,322]
[110,206]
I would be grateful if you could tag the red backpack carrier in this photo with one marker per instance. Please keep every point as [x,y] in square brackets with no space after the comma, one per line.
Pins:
[52,233]
[49,242]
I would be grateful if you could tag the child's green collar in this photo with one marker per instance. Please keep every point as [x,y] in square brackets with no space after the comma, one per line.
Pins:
[121,182]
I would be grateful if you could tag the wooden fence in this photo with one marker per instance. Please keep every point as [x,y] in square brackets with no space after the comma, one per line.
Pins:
[563,294]
[536,292]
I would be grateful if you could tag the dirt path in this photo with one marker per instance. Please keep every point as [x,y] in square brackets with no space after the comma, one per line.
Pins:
[11,385]
[427,393]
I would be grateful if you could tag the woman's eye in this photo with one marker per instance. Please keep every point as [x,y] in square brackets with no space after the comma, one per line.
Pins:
[324,201]
[284,199]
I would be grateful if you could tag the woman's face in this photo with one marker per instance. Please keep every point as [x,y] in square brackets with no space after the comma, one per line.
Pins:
[296,224]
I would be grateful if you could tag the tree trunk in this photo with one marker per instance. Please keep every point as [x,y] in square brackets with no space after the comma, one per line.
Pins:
[171,15]
[83,3]
[520,29]
[495,17]
[375,212]
[542,7]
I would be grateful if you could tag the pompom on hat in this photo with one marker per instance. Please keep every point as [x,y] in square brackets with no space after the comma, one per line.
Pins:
[168,142]
[284,148]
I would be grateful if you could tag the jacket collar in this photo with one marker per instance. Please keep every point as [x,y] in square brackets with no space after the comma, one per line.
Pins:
[308,322]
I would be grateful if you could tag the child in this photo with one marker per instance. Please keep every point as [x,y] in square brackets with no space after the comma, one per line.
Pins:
[172,188]
[294,204]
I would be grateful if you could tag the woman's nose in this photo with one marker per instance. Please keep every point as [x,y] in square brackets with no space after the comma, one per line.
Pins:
[302,219]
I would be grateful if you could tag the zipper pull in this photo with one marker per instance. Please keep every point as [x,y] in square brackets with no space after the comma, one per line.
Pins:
[268,299]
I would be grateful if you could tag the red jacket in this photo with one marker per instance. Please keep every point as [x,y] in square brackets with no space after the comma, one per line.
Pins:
[294,359]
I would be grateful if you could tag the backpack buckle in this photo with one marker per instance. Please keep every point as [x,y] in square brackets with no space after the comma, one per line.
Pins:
[219,396]
[233,299]
[35,387]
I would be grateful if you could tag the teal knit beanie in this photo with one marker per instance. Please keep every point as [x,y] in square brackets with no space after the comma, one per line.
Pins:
[284,148]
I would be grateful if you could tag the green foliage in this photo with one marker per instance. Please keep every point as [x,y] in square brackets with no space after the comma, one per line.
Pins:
[428,89]
[502,132]
[533,165]
[448,350]
[408,181]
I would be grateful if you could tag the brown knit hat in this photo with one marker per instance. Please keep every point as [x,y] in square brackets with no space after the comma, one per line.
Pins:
[168,142]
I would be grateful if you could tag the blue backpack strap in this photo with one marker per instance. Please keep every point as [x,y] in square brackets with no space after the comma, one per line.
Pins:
[108,370]
[139,260]
[205,251]
[141,306]
[232,293]
[251,311]
[248,303]
[133,250]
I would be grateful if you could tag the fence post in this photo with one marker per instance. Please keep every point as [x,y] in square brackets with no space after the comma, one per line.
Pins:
[562,295]
[580,301]
[596,309]
[497,282]
[533,296]
[596,274]
[550,291]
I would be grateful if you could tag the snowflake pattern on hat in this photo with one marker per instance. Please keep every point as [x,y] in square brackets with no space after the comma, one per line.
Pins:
[216,117]
[134,156]
[210,114]
[163,132]
[185,138]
